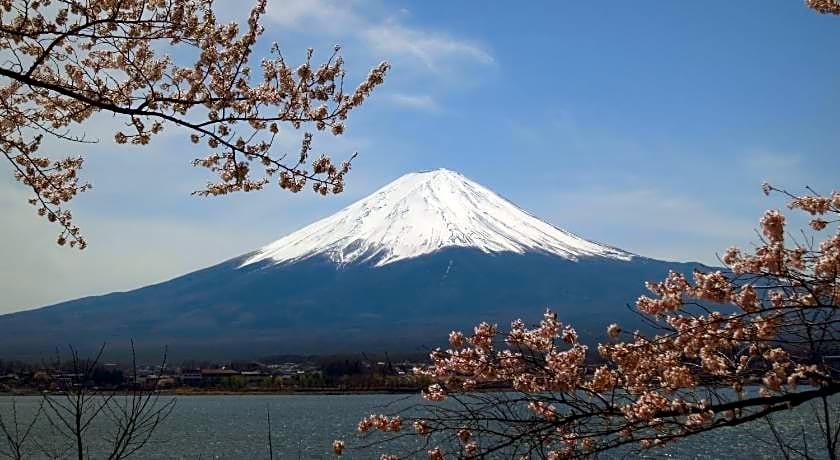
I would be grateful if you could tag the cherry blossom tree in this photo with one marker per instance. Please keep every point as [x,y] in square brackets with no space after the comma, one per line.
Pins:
[158,65]
[729,347]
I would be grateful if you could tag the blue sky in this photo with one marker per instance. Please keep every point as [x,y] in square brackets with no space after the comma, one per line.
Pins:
[648,125]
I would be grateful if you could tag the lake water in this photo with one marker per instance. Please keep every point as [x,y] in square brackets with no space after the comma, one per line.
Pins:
[304,426]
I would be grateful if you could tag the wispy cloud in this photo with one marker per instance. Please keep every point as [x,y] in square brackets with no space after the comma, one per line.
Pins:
[432,49]
[415,101]
[650,221]
[779,168]
[389,37]
[328,16]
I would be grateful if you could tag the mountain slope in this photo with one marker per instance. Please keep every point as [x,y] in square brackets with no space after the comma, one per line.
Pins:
[395,271]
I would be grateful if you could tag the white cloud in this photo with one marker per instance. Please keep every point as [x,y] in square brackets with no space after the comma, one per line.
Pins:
[388,38]
[432,49]
[415,101]
[328,16]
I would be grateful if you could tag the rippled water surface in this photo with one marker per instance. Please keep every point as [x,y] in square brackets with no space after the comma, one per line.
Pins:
[303,426]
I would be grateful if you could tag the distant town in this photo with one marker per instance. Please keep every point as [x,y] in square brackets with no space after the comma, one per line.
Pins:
[316,374]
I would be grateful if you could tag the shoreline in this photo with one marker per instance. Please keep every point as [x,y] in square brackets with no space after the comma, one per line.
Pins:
[222,392]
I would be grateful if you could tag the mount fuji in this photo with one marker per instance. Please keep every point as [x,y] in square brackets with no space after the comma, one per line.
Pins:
[395,271]
[422,213]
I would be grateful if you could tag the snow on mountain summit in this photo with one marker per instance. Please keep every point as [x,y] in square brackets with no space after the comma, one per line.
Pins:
[423,212]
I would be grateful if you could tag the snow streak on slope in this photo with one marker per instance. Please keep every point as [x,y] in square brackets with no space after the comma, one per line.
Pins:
[421,213]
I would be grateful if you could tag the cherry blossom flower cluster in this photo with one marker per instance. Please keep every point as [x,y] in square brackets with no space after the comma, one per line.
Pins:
[543,409]
[380,422]
[338,447]
[435,453]
[824,6]
[475,360]
[159,65]
[469,445]
[54,183]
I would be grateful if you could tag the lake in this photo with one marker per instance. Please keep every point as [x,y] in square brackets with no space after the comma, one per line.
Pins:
[304,426]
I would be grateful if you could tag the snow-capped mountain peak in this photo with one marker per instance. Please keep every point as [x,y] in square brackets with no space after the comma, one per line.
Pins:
[424,212]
